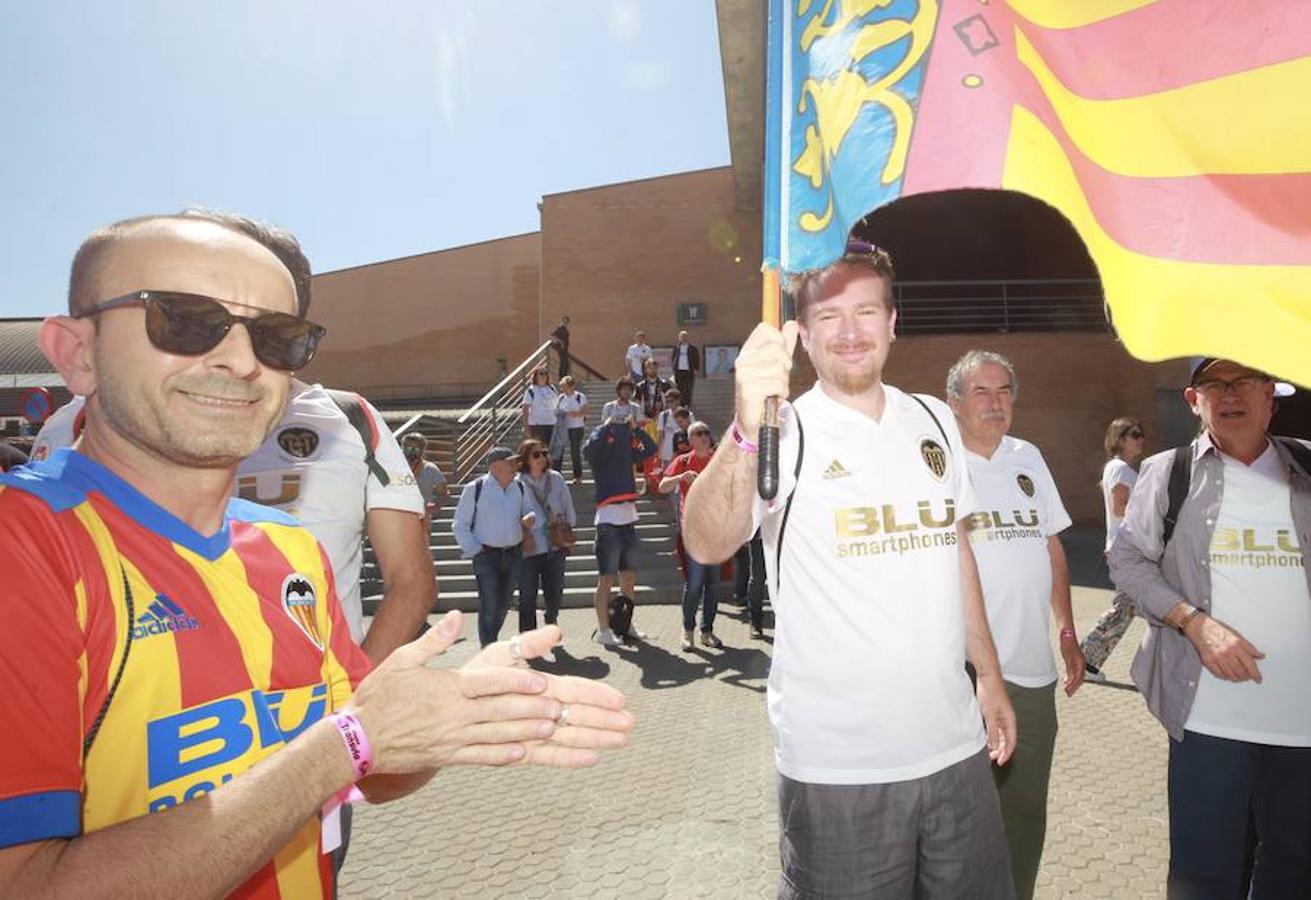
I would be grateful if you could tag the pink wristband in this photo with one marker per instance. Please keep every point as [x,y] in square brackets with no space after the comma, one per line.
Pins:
[355,741]
[1068,633]
[740,439]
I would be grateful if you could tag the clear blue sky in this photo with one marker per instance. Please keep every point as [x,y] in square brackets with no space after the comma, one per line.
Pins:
[371,130]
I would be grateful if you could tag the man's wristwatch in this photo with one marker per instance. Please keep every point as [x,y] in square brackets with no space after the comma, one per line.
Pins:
[1188,617]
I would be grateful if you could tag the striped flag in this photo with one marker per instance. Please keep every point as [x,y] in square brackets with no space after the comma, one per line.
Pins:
[1174,135]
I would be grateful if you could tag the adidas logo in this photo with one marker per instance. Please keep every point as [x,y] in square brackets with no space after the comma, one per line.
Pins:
[162,617]
[836,470]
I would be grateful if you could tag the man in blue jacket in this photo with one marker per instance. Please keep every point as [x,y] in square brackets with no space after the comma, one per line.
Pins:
[612,450]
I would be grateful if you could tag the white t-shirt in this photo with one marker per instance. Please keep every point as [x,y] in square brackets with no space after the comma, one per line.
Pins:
[616,514]
[868,680]
[1258,587]
[1116,471]
[636,356]
[540,400]
[1019,509]
[571,405]
[312,467]
[57,430]
[621,409]
[666,426]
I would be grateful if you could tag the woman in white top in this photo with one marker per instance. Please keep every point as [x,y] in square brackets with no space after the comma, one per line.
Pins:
[571,405]
[550,500]
[1124,447]
[539,407]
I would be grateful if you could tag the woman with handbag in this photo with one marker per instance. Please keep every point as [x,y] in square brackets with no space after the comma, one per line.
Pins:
[550,538]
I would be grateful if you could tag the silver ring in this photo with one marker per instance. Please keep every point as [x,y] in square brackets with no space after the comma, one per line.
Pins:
[516,647]
[564,716]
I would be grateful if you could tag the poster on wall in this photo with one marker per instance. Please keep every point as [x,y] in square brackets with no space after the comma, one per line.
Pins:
[665,357]
[720,359]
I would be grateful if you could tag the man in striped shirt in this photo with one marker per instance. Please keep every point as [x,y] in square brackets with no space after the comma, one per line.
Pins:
[179,674]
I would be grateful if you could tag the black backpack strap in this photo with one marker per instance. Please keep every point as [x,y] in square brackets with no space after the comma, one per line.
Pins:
[1181,476]
[1299,451]
[787,507]
[477,495]
[942,431]
[118,675]
[353,407]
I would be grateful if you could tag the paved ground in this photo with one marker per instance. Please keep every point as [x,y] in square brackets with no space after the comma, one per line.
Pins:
[688,809]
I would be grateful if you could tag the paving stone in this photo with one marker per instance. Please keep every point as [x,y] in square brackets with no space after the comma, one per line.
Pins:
[688,809]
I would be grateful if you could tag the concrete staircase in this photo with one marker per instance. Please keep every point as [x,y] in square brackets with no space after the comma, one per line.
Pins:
[658,580]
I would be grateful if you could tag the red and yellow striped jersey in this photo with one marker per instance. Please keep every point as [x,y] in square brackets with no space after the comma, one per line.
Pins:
[234,645]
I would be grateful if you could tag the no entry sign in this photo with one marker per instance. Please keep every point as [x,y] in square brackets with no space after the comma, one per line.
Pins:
[36,405]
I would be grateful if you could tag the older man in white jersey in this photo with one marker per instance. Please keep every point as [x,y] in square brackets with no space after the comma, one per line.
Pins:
[885,789]
[1025,579]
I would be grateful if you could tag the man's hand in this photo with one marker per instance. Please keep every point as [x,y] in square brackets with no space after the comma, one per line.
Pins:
[998,718]
[688,476]
[419,718]
[1075,664]
[763,370]
[1225,653]
[592,713]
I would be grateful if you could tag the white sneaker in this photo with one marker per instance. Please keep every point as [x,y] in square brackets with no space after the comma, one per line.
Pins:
[548,656]
[636,633]
[606,638]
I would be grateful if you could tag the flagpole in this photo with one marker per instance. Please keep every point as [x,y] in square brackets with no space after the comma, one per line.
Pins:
[771,313]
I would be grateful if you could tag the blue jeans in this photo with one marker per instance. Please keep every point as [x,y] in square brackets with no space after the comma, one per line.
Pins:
[548,570]
[1216,787]
[700,585]
[497,572]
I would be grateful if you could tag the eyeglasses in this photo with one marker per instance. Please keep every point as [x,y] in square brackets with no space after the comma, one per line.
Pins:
[1134,433]
[1218,387]
[191,324]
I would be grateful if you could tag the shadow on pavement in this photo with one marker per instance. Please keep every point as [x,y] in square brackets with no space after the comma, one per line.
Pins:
[664,669]
[593,667]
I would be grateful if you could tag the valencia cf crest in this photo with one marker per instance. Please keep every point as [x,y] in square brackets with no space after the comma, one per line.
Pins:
[1025,483]
[934,457]
[299,603]
[298,442]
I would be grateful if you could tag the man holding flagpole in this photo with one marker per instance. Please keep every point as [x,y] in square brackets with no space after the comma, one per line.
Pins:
[885,787]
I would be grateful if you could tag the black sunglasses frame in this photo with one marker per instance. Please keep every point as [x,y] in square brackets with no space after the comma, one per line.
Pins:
[259,327]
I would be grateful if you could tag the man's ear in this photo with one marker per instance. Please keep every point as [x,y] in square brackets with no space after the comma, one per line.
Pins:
[66,342]
[1190,397]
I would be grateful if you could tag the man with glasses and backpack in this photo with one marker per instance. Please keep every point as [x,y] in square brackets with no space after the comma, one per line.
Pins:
[1213,550]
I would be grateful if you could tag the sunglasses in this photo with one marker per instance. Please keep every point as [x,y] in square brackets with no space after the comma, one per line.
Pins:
[1134,433]
[191,324]
[863,247]
[538,454]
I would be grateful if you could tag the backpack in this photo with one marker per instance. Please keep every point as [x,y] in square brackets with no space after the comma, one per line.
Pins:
[352,405]
[621,615]
[1181,478]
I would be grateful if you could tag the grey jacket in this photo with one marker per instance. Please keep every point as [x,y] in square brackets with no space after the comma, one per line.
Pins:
[1167,666]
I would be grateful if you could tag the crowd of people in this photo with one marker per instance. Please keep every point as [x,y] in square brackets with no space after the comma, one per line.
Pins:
[182,556]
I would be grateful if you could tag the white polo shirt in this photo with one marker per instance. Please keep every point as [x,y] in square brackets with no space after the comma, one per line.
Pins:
[1019,509]
[312,467]
[868,680]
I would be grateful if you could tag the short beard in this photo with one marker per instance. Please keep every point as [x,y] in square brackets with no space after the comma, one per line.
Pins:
[151,430]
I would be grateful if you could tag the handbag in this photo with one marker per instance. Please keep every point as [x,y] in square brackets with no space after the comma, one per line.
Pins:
[560,534]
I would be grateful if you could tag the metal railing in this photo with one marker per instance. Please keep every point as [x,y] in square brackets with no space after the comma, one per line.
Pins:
[496,414]
[1053,304]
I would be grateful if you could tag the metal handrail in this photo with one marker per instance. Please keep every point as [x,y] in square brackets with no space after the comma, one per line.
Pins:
[495,414]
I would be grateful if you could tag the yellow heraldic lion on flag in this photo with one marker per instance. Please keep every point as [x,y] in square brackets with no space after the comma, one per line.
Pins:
[1174,135]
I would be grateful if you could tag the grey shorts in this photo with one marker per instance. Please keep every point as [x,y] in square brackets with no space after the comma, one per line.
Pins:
[939,836]
[616,548]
